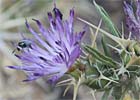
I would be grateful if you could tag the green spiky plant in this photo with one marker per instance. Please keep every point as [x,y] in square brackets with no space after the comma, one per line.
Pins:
[117,77]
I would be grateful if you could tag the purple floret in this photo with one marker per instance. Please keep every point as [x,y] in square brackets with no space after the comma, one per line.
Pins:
[133,19]
[54,51]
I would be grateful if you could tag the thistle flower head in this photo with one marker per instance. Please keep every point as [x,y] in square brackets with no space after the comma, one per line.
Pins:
[133,19]
[52,52]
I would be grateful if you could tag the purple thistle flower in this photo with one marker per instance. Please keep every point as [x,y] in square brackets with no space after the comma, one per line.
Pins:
[53,52]
[133,19]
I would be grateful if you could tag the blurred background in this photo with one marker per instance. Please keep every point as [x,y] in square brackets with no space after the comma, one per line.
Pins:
[12,22]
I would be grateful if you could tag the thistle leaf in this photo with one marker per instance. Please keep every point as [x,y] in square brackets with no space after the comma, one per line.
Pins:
[107,20]
[96,54]
[125,57]
[106,50]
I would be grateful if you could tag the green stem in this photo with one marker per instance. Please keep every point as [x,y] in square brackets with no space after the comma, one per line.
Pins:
[77,85]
